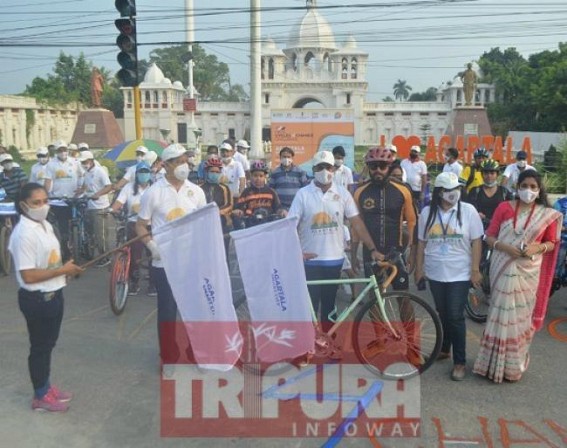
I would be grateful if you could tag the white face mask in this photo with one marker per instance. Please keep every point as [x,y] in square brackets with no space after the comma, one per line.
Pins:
[324,177]
[339,162]
[452,197]
[227,160]
[446,157]
[62,156]
[8,166]
[38,214]
[43,160]
[191,160]
[139,159]
[491,184]
[181,172]
[528,196]
[286,161]
[521,163]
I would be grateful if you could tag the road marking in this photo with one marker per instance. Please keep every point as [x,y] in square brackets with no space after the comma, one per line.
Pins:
[139,328]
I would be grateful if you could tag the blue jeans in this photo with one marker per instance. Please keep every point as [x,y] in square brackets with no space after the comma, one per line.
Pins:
[450,299]
[166,317]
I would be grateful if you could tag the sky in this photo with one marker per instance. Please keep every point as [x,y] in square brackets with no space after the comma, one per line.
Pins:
[424,42]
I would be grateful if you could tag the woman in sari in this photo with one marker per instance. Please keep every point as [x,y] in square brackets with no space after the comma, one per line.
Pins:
[523,235]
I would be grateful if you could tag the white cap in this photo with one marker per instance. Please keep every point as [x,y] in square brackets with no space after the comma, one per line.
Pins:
[86,155]
[83,146]
[142,149]
[42,151]
[447,180]
[416,148]
[392,148]
[5,157]
[73,147]
[60,144]
[242,144]
[226,146]
[150,158]
[173,151]
[324,157]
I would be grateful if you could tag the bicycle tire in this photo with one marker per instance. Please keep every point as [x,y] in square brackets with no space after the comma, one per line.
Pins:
[400,356]
[478,299]
[118,293]
[74,242]
[87,245]
[5,258]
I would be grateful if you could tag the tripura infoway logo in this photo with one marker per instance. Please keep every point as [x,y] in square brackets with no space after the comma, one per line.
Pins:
[210,295]
[279,292]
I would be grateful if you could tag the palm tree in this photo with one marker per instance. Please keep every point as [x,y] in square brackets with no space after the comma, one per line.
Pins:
[401,90]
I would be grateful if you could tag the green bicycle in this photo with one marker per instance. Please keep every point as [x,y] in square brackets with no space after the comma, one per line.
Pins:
[395,335]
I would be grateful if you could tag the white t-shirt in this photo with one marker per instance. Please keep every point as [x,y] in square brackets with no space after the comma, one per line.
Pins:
[343,176]
[454,167]
[321,217]
[448,254]
[162,203]
[130,174]
[239,157]
[66,177]
[231,175]
[512,172]
[95,180]
[414,171]
[39,173]
[131,200]
[34,246]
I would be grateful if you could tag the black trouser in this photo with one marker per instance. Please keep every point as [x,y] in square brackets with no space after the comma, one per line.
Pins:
[43,318]
[63,216]
[323,295]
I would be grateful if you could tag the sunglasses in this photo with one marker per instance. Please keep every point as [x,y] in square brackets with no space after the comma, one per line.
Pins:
[377,165]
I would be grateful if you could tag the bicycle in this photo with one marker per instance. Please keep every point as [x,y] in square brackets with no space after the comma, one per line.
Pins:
[396,335]
[7,216]
[478,300]
[120,268]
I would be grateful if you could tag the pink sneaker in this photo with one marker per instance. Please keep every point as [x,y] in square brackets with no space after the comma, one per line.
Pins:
[60,395]
[49,403]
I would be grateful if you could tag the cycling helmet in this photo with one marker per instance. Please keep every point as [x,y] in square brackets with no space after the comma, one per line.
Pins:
[378,154]
[480,152]
[143,165]
[213,162]
[490,165]
[258,165]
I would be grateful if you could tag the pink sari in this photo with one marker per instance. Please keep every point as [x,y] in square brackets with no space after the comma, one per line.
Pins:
[519,291]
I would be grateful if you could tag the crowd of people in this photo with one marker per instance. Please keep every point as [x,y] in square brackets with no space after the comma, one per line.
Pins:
[388,207]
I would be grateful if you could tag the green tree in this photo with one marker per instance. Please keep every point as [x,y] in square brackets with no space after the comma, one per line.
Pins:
[429,95]
[388,99]
[401,90]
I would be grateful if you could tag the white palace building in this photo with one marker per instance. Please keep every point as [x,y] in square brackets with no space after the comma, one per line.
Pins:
[311,68]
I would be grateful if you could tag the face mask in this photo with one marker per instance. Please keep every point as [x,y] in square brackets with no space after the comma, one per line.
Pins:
[521,163]
[286,161]
[527,195]
[143,178]
[139,159]
[242,151]
[339,163]
[181,172]
[38,214]
[42,160]
[213,178]
[62,156]
[446,157]
[8,166]
[324,177]
[413,156]
[227,159]
[491,184]
[452,197]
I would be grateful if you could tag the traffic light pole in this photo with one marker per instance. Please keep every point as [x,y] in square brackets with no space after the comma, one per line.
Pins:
[137,112]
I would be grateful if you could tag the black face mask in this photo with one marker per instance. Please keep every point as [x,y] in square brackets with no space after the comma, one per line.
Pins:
[413,156]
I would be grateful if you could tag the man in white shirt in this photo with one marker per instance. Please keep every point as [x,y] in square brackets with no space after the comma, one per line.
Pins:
[166,200]
[343,174]
[241,155]
[63,180]
[512,172]
[452,164]
[39,173]
[96,186]
[322,207]
[416,170]
[130,174]
[232,171]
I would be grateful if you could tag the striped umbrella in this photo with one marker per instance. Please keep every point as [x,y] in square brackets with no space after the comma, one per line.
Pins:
[124,154]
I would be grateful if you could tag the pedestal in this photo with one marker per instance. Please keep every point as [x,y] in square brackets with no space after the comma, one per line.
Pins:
[98,128]
[469,121]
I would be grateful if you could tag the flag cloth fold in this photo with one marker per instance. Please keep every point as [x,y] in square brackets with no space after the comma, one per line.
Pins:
[192,250]
[271,266]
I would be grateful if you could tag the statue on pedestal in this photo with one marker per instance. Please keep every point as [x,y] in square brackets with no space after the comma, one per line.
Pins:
[469,79]
[97,85]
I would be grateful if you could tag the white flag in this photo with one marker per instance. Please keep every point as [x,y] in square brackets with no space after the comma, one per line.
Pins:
[192,251]
[271,266]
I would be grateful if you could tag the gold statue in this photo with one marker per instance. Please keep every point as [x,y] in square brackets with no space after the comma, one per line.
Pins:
[469,79]
[97,85]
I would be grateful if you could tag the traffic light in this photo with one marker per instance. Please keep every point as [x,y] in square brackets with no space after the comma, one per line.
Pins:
[126,41]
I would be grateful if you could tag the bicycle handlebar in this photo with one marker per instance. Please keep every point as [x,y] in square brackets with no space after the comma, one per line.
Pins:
[387,266]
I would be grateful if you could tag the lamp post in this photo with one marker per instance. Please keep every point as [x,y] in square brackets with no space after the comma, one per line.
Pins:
[255,80]
[192,141]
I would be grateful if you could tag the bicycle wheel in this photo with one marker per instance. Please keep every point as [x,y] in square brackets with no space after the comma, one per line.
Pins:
[478,300]
[74,242]
[119,281]
[406,347]
[5,258]
[87,245]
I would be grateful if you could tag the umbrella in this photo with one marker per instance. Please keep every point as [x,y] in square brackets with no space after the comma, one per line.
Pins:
[124,154]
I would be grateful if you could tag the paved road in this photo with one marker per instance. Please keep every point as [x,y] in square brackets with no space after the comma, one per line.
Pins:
[111,365]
